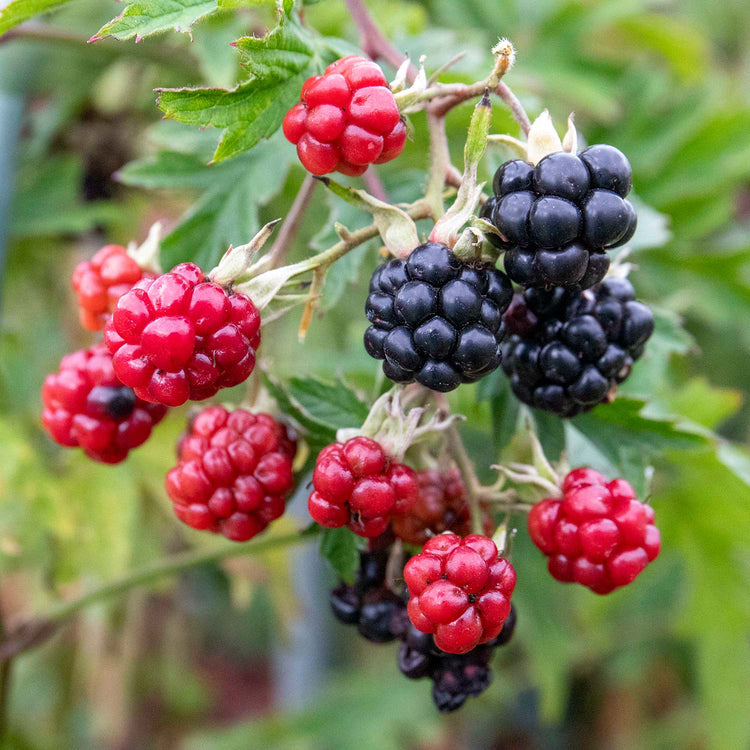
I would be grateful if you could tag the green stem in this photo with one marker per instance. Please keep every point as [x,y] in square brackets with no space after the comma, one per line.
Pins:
[466,468]
[33,632]
[169,567]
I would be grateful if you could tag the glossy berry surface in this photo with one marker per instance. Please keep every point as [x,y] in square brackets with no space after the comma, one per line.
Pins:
[568,351]
[368,603]
[180,337]
[435,319]
[86,406]
[559,217]
[234,472]
[346,120]
[355,484]
[455,677]
[100,282]
[441,506]
[599,534]
[459,591]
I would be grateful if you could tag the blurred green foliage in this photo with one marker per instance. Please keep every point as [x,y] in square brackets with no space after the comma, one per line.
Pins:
[665,82]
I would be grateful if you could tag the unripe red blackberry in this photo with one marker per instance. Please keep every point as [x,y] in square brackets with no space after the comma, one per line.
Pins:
[599,534]
[234,472]
[356,484]
[436,319]
[566,352]
[459,591]
[86,406]
[181,336]
[346,120]
[441,506]
[100,282]
[559,217]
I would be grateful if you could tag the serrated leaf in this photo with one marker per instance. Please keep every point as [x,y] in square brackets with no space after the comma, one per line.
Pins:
[141,19]
[334,406]
[278,56]
[227,212]
[316,434]
[279,64]
[339,547]
[18,11]
[629,436]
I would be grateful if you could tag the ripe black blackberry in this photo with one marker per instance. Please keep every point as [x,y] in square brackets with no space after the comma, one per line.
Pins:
[368,603]
[559,217]
[455,678]
[436,319]
[567,351]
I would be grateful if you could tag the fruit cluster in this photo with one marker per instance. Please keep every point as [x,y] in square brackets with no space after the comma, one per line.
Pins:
[86,406]
[566,341]
[568,351]
[459,590]
[180,337]
[599,534]
[355,484]
[436,319]
[557,219]
[455,677]
[101,281]
[381,617]
[346,120]
[234,472]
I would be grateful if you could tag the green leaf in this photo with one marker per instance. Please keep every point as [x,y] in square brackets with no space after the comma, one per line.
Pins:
[339,547]
[279,64]
[628,436]
[227,211]
[141,19]
[334,406]
[233,4]
[319,408]
[18,11]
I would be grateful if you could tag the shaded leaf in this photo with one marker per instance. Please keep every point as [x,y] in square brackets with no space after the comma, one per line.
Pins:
[18,11]
[339,547]
[145,17]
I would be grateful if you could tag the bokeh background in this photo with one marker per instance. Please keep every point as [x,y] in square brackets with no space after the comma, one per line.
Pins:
[244,653]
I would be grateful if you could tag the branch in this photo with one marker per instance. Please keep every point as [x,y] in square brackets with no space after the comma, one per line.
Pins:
[291,225]
[444,105]
[167,56]
[38,630]
[373,41]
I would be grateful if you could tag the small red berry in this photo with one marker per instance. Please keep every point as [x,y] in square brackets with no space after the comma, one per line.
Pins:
[180,337]
[346,120]
[234,472]
[459,591]
[599,534]
[441,506]
[86,406]
[101,281]
[356,485]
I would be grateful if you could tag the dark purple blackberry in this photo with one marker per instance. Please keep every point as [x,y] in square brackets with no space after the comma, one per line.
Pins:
[455,678]
[559,217]
[368,603]
[436,319]
[570,350]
